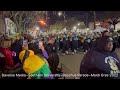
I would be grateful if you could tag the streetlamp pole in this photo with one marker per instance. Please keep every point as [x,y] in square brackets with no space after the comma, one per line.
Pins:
[64,16]
[62,13]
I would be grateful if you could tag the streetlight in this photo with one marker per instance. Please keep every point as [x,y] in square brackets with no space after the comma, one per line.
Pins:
[62,14]
[59,13]
[42,22]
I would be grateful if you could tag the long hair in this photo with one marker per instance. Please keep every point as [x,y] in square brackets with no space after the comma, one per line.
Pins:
[53,61]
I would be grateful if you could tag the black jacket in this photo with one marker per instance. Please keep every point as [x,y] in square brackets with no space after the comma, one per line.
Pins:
[100,63]
[51,48]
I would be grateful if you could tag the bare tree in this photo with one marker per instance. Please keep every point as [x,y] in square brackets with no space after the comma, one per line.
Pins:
[21,18]
[113,21]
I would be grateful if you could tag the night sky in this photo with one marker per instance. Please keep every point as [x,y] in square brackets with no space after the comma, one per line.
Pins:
[99,14]
[83,15]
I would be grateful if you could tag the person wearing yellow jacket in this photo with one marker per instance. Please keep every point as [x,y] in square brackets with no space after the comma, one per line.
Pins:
[34,66]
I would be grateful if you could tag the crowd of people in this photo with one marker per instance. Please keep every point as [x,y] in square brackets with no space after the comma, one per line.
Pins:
[38,58]
[24,56]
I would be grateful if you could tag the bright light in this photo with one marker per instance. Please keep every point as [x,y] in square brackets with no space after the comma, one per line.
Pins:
[37,28]
[74,27]
[78,24]
[59,14]
[87,28]
[42,22]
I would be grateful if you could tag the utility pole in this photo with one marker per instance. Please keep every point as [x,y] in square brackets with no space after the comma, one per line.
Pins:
[46,16]
[94,14]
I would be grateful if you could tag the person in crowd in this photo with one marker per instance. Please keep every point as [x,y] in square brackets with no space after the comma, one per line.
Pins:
[53,61]
[85,46]
[82,39]
[61,42]
[57,43]
[75,43]
[51,47]
[34,66]
[106,33]
[65,47]
[96,38]
[101,60]
[44,52]
[16,48]
[5,50]
[71,44]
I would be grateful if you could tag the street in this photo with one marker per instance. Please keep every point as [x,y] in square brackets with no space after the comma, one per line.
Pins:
[71,64]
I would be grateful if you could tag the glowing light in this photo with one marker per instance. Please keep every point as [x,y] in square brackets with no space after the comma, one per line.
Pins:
[78,24]
[59,14]
[37,28]
[74,27]
[87,28]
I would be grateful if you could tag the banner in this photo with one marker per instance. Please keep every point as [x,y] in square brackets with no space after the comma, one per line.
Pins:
[10,27]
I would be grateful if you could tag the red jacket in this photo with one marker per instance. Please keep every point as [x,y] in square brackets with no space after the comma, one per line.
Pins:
[9,62]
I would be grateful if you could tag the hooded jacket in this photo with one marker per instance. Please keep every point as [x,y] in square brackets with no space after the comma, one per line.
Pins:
[100,64]
[34,66]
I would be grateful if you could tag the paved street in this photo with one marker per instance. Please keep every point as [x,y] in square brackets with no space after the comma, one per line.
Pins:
[71,63]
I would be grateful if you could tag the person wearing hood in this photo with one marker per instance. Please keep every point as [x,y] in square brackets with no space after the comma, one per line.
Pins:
[34,66]
[101,62]
[96,38]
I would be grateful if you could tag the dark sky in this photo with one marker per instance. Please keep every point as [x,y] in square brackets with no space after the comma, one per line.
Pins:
[88,15]
[103,14]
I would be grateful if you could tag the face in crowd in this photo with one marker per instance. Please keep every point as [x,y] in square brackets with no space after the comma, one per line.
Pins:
[109,45]
[52,40]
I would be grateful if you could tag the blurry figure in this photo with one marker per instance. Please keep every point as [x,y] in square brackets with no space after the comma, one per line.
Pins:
[101,60]
[61,42]
[16,48]
[5,50]
[25,46]
[24,54]
[34,66]
[94,41]
[65,45]
[53,61]
[51,47]
[44,52]
[106,33]
[2,61]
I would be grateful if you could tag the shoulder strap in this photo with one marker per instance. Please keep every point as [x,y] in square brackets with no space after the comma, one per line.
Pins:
[26,55]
